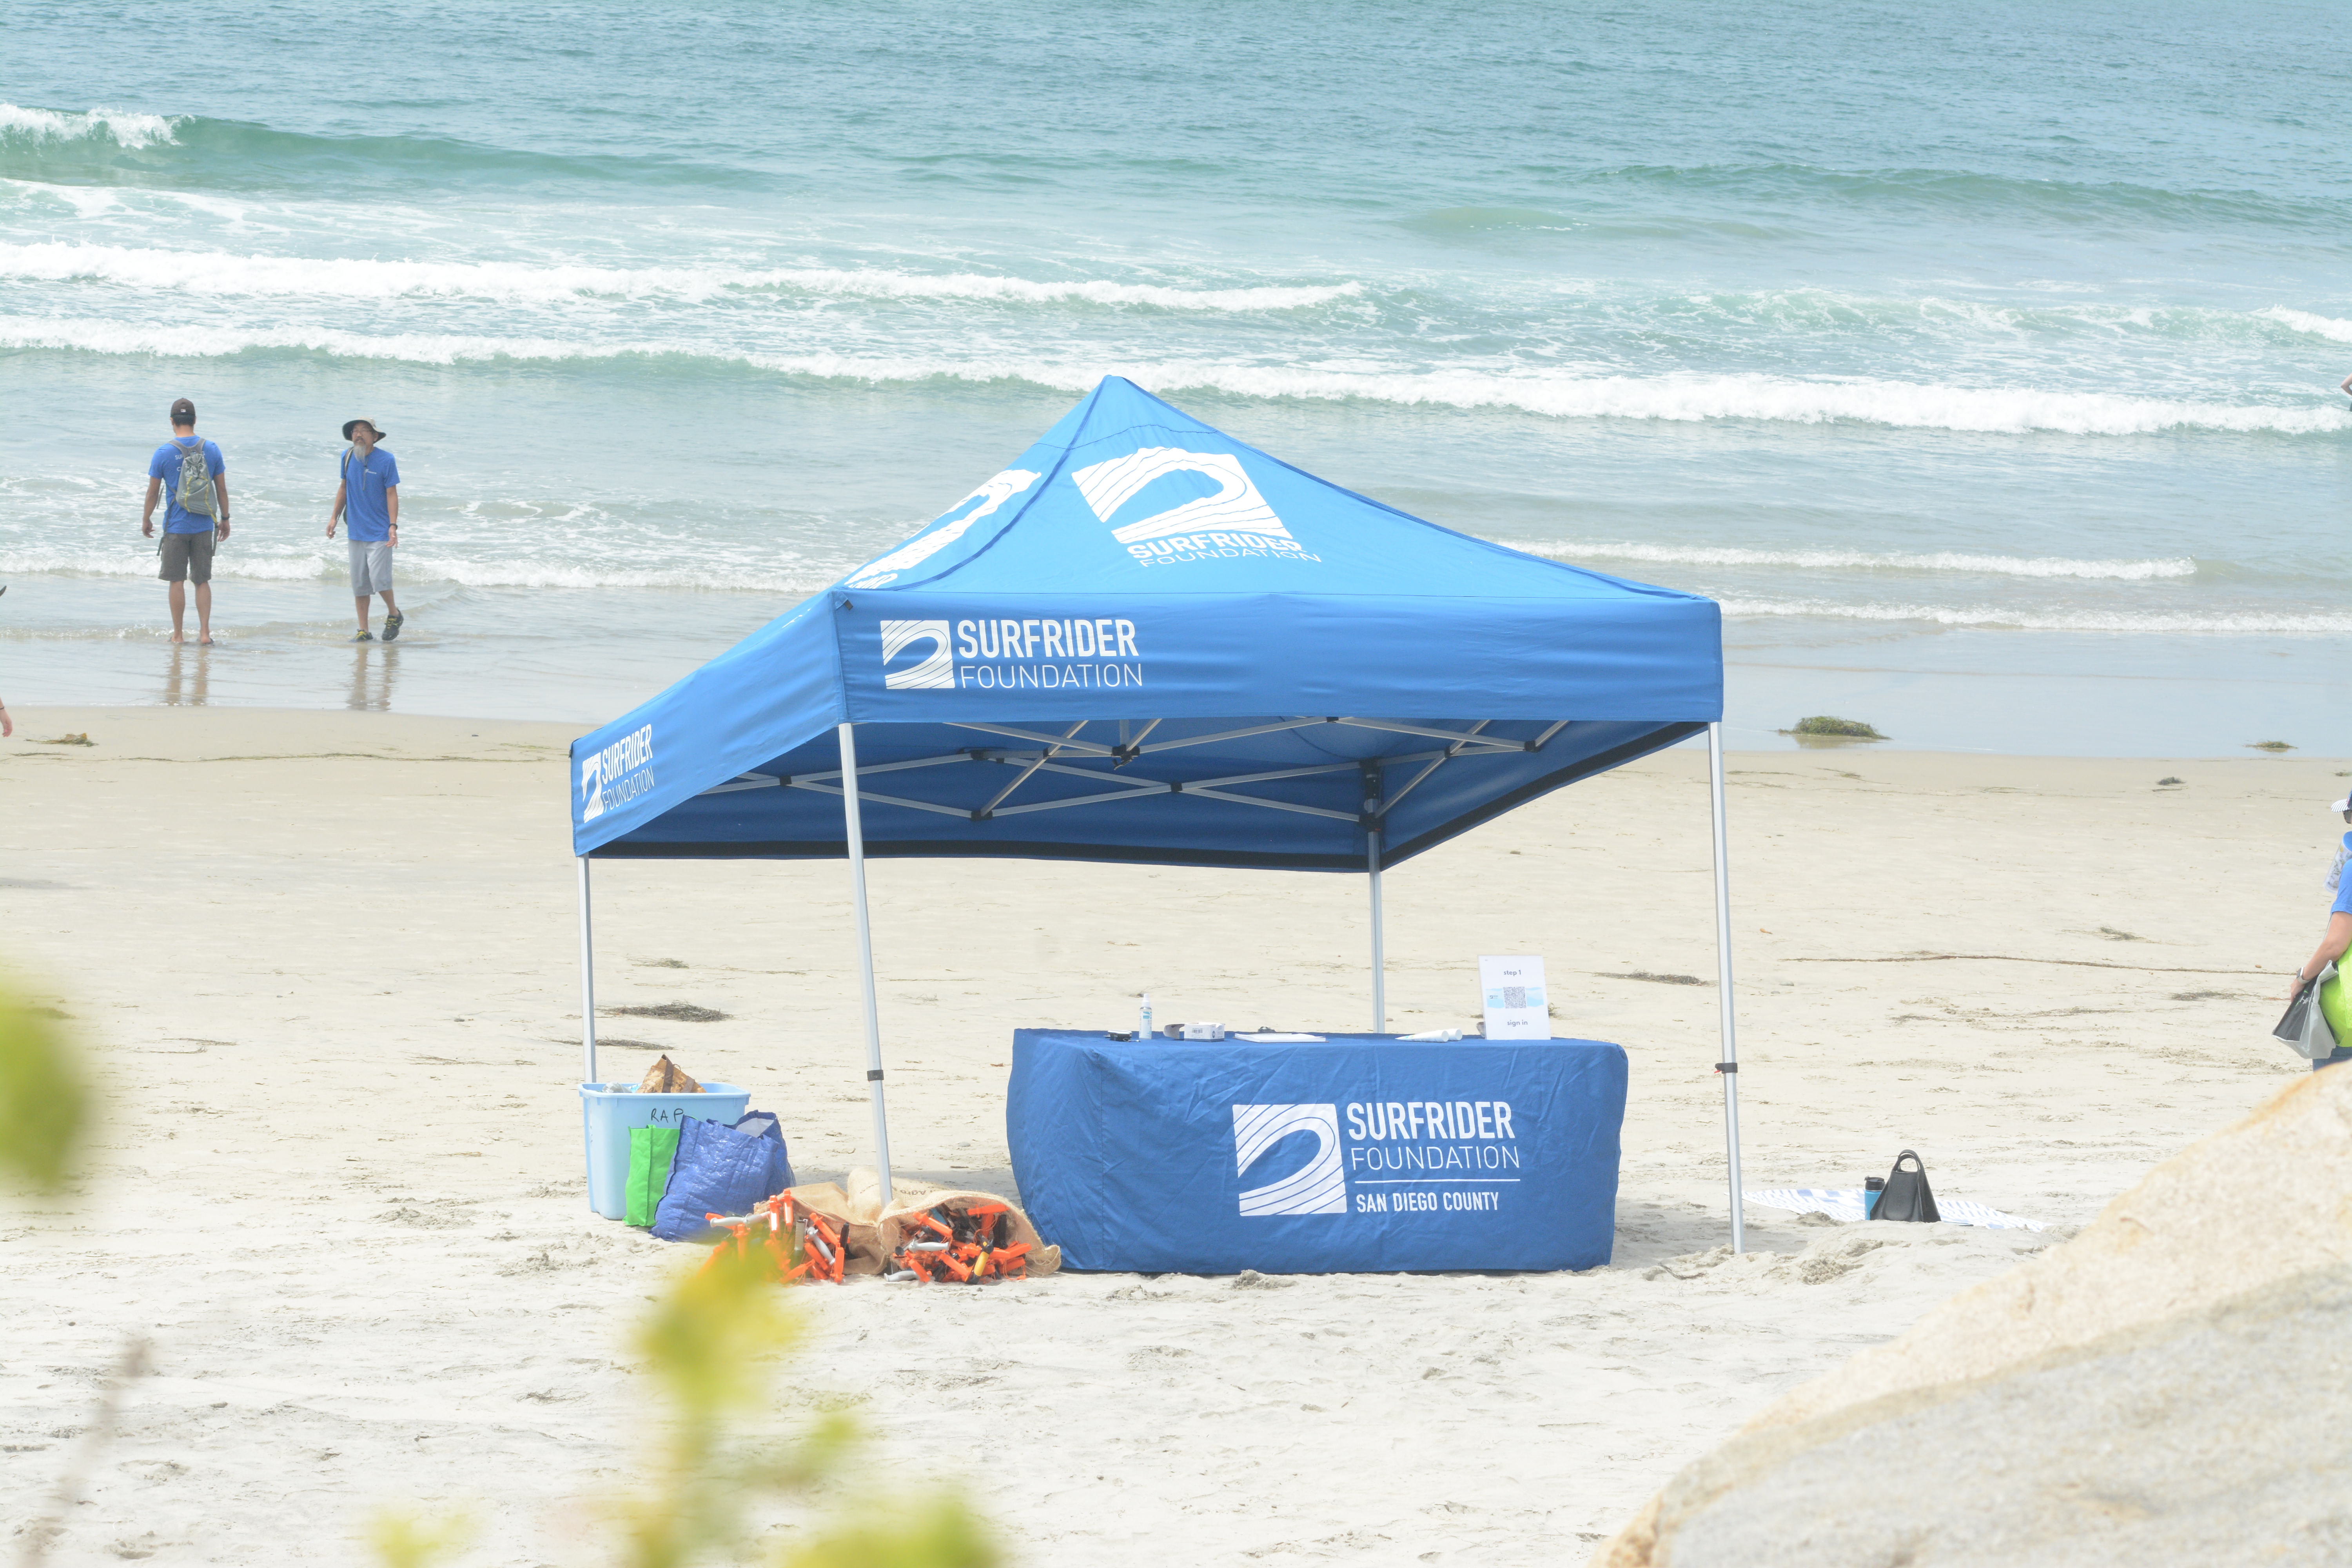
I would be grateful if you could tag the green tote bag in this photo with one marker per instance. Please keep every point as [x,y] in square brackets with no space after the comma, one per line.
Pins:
[651,1150]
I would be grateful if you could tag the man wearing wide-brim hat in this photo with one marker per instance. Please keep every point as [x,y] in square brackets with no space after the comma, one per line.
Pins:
[367,491]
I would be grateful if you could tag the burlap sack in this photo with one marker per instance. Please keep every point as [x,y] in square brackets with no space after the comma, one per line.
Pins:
[907,1197]
[665,1076]
[866,1253]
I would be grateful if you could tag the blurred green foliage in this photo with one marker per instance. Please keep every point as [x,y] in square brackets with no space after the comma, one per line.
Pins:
[403,1543]
[712,1345]
[44,1099]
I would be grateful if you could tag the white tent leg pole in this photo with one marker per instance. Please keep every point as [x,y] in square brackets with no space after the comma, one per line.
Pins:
[587,981]
[1728,1064]
[864,958]
[1380,961]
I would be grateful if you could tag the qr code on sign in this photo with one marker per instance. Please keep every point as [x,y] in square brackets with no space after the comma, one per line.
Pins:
[1515,995]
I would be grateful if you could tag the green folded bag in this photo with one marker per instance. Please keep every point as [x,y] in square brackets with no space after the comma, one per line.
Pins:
[651,1150]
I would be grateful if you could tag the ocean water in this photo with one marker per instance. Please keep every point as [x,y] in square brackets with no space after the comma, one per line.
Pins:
[1981,358]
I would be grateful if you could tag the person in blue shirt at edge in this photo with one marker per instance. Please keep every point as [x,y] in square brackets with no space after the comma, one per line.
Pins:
[2334,1004]
[368,491]
[188,536]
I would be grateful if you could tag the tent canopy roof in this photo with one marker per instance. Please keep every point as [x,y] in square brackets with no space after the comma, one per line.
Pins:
[1147,641]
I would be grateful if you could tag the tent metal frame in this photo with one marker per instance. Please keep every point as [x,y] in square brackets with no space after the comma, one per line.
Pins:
[846,783]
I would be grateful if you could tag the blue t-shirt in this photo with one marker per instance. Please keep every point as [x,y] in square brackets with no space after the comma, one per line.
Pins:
[165,466]
[364,506]
[2343,904]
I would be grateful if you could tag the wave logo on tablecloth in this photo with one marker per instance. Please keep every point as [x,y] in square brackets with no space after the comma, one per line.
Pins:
[1319,1186]
[936,672]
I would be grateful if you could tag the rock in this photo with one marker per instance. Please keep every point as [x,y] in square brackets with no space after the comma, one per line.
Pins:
[2173,1385]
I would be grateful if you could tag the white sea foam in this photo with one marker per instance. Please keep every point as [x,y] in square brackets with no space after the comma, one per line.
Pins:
[92,336]
[728,579]
[982,286]
[1995,616]
[221,273]
[2327,327]
[1689,397]
[126,130]
[1672,398]
[137,559]
[421,566]
[1869,561]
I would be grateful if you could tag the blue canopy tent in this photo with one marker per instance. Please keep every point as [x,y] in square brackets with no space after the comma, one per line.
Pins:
[1147,642]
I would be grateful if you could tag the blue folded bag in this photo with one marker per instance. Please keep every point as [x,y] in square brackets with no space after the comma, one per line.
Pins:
[720,1170]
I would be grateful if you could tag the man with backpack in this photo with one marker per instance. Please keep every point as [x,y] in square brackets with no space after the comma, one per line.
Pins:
[195,520]
[369,494]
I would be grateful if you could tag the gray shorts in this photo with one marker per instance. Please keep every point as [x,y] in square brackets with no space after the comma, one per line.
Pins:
[371,568]
[187,557]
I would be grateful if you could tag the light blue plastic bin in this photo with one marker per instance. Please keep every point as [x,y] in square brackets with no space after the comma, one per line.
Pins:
[610,1109]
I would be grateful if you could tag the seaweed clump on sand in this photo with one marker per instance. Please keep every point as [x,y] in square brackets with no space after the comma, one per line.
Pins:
[1840,728]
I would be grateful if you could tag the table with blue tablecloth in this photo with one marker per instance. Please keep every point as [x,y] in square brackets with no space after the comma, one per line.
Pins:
[1354,1154]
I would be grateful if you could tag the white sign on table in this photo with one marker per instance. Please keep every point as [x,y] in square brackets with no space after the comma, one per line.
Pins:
[1515,998]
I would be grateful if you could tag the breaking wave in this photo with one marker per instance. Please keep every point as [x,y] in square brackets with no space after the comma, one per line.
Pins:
[1673,397]
[1750,397]
[2050,621]
[2327,327]
[216,273]
[423,565]
[127,130]
[1869,561]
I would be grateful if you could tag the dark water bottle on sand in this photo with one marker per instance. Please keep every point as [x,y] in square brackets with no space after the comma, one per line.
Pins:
[1871,1189]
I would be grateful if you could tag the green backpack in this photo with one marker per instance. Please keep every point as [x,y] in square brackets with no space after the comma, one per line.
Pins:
[195,492]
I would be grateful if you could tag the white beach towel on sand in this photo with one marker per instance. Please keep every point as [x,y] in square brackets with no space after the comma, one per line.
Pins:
[1845,1203]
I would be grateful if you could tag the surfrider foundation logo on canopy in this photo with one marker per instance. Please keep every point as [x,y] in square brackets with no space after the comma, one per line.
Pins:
[616,774]
[935,670]
[1234,523]
[1321,1186]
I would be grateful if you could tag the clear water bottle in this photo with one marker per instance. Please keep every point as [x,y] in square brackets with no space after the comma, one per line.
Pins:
[1143,1028]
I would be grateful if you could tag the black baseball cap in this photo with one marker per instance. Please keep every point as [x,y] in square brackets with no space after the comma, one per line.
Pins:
[183,412]
[369,423]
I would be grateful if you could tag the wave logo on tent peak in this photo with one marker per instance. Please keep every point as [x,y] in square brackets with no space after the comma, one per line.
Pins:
[1319,1186]
[935,672]
[991,496]
[1236,508]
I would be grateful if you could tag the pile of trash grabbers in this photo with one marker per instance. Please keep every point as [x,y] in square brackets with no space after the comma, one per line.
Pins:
[968,1247]
[945,1244]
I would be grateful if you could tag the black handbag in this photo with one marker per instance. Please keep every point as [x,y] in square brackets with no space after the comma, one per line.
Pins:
[1906,1196]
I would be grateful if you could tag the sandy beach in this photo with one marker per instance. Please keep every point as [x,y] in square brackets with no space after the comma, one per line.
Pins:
[326,962]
